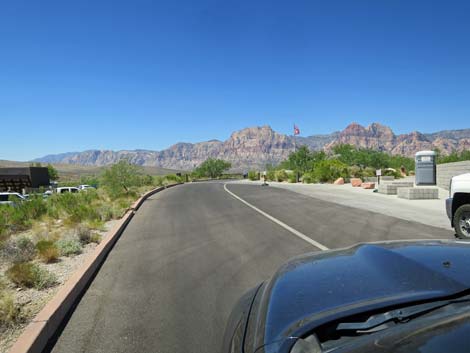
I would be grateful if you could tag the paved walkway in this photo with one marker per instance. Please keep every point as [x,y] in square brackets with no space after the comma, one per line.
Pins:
[429,212]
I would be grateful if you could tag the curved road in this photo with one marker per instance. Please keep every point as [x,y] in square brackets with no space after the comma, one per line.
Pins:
[191,251]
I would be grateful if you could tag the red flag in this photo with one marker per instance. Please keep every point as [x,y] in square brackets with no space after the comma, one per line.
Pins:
[296,130]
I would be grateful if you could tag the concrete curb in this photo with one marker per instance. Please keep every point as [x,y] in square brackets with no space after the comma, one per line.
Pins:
[43,327]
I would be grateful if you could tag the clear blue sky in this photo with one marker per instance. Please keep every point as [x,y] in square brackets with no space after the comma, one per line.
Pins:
[77,75]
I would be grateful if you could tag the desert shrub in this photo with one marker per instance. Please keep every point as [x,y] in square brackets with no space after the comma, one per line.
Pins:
[96,224]
[172,178]
[368,172]
[95,238]
[47,251]
[106,212]
[17,250]
[15,218]
[253,175]
[34,208]
[330,170]
[10,312]
[355,171]
[394,173]
[28,275]
[75,208]
[3,223]
[83,234]
[69,246]
[308,178]
[158,180]
[271,174]
[292,177]
[281,175]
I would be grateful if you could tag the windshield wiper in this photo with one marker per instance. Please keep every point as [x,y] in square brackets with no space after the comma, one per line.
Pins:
[398,315]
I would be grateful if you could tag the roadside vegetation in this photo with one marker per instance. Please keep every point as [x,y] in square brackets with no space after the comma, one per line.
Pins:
[344,161]
[453,157]
[211,169]
[38,233]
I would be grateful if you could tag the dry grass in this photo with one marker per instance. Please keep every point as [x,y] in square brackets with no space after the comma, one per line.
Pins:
[47,251]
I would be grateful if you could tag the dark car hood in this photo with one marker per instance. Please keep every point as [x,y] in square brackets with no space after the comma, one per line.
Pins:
[317,288]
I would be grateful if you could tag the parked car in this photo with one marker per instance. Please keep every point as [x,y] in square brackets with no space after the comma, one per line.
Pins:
[381,297]
[458,205]
[8,198]
[85,187]
[65,189]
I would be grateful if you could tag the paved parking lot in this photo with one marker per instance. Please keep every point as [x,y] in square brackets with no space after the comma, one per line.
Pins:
[429,212]
[191,251]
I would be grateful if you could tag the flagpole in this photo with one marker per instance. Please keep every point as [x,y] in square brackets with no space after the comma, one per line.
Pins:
[295,150]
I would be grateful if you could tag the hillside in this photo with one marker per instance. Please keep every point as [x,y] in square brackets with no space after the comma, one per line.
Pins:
[255,147]
[75,171]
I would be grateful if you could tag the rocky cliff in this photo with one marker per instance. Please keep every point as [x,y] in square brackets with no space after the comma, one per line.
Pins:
[255,147]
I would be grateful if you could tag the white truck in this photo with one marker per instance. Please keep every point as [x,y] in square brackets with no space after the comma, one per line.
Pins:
[458,205]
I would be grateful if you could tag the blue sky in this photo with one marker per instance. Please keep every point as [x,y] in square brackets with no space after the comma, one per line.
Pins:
[77,75]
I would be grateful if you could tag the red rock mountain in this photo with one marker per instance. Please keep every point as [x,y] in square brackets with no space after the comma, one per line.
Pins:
[255,147]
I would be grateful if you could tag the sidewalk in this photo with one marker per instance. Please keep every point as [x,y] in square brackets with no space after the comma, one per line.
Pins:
[429,212]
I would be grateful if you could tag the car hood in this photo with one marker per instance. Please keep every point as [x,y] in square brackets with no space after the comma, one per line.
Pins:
[462,177]
[313,289]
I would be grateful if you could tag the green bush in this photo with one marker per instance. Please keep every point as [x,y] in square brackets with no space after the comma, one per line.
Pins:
[47,251]
[18,250]
[368,172]
[308,178]
[330,170]
[355,171]
[29,275]
[3,223]
[171,179]
[292,177]
[281,175]
[453,157]
[252,175]
[34,208]
[271,174]
[69,247]
[76,208]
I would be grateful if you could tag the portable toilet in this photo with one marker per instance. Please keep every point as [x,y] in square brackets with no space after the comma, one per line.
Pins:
[425,168]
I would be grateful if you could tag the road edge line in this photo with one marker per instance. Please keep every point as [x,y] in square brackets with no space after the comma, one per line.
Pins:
[37,334]
[280,223]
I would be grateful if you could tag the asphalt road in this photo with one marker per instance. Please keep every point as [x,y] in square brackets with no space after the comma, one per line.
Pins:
[191,251]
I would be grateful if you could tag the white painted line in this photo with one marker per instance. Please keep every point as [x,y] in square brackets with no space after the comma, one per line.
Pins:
[278,222]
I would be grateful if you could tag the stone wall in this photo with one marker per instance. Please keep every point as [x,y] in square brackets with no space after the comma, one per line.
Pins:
[446,171]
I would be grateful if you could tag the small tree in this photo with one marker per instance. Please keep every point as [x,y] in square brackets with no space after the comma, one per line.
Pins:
[303,160]
[212,168]
[53,173]
[121,177]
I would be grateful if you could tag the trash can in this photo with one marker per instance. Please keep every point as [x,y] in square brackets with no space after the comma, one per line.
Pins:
[425,168]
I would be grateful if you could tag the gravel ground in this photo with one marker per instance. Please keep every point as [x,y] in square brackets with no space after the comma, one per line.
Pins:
[33,300]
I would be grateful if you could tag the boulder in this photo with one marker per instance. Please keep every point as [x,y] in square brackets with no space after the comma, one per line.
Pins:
[339,181]
[368,185]
[356,182]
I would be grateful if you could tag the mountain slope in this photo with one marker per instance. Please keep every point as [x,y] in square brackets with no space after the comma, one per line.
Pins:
[255,147]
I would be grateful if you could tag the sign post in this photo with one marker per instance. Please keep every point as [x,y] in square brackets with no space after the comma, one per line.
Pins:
[378,173]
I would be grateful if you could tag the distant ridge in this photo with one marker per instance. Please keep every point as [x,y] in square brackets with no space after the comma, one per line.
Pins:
[254,147]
